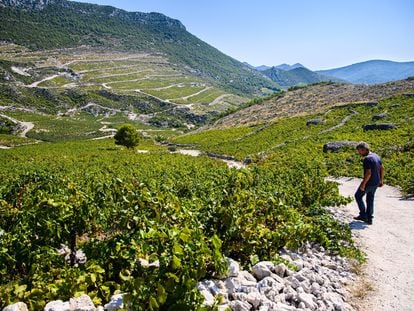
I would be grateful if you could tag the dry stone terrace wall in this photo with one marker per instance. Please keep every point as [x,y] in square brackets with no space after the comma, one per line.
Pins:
[311,279]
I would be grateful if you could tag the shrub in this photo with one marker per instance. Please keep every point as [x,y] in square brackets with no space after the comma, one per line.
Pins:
[127,136]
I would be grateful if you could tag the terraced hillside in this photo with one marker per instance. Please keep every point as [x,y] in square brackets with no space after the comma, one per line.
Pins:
[90,84]
[290,138]
[151,75]
[67,62]
[58,24]
[313,98]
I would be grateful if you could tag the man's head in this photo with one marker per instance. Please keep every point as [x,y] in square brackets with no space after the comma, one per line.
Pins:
[362,148]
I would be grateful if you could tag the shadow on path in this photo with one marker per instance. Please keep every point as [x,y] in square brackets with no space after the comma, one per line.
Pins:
[358,225]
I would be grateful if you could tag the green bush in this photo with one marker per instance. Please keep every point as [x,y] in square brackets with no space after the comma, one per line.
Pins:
[127,135]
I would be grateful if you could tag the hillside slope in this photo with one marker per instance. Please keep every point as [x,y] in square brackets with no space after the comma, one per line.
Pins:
[39,25]
[291,137]
[373,71]
[313,98]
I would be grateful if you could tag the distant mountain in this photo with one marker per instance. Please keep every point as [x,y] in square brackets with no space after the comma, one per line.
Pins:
[373,71]
[52,24]
[263,67]
[297,76]
[288,67]
[285,67]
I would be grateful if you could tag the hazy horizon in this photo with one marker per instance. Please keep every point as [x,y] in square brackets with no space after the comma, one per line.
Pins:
[318,34]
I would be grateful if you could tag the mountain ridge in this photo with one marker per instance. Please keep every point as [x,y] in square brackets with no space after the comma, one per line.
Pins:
[372,71]
[297,76]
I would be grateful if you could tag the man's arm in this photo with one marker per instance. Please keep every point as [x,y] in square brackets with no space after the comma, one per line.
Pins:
[367,176]
[381,176]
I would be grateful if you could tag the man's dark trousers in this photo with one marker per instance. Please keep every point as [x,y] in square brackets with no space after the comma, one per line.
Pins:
[368,211]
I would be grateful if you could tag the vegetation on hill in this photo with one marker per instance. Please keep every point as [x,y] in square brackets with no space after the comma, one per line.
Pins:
[121,207]
[296,76]
[127,136]
[151,223]
[313,98]
[68,24]
[288,140]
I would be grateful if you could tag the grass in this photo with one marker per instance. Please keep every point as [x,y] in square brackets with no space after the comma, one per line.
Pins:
[148,83]
[204,97]
[360,291]
[176,91]
[56,82]
[13,140]
[81,126]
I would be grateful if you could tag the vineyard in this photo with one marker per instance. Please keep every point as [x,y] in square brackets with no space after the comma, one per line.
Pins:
[290,139]
[143,169]
[120,207]
[84,216]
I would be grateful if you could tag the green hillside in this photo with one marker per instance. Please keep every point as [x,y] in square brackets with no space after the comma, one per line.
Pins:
[67,24]
[287,139]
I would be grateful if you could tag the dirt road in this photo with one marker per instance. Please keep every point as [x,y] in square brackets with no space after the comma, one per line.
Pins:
[25,126]
[389,245]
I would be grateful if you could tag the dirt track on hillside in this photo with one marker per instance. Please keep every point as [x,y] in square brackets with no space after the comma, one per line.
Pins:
[389,245]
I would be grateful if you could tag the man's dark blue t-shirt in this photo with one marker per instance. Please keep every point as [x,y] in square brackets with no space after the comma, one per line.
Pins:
[373,162]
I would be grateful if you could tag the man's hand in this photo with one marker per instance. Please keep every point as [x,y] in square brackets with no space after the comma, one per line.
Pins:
[362,188]
[381,183]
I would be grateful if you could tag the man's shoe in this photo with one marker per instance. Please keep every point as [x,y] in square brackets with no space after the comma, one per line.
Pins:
[368,221]
[360,218]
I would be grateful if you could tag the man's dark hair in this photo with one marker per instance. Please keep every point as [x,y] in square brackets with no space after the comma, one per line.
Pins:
[362,145]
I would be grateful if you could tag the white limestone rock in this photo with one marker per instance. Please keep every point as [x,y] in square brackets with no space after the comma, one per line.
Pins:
[309,300]
[116,303]
[247,276]
[234,268]
[208,298]
[237,305]
[262,269]
[57,305]
[336,300]
[269,283]
[19,306]
[285,307]
[281,269]
[82,303]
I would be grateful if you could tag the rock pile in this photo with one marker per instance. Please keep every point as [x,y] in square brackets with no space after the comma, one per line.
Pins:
[379,126]
[80,257]
[335,146]
[309,279]
[379,116]
[314,122]
[82,303]
[318,283]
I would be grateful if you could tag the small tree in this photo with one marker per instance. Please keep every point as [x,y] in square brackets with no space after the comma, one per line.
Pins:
[127,136]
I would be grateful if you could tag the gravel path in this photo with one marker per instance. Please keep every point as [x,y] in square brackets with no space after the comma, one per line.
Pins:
[25,126]
[35,84]
[389,245]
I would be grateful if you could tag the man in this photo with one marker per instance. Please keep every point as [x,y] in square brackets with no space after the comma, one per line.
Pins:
[373,178]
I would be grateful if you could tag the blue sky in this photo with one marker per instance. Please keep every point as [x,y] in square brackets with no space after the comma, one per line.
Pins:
[320,34]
